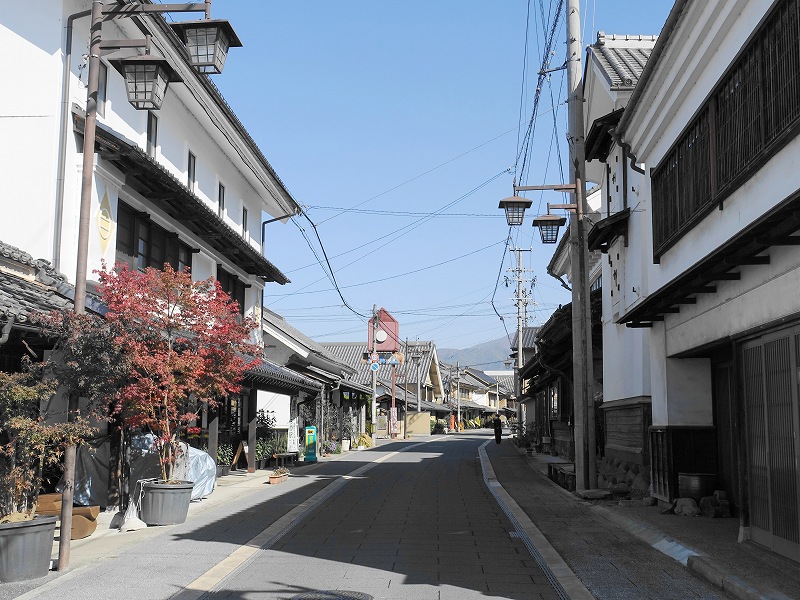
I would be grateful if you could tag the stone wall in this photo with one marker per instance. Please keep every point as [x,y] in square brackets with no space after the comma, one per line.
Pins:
[623,476]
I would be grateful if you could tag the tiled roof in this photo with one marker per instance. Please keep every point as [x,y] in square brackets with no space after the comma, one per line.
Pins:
[506,383]
[622,57]
[21,296]
[273,374]
[280,323]
[352,354]
[528,338]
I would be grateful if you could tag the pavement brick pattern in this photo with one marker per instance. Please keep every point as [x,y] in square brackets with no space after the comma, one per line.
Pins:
[420,525]
[611,563]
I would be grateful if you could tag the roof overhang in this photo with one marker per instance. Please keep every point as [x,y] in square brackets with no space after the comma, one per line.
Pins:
[605,231]
[273,377]
[599,139]
[163,189]
[746,248]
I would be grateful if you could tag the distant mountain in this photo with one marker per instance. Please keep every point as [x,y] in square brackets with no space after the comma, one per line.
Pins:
[488,356]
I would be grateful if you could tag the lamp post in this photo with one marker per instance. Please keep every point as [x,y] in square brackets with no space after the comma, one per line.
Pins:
[583,378]
[146,81]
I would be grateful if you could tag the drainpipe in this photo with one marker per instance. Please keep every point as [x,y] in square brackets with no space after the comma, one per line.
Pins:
[6,332]
[63,132]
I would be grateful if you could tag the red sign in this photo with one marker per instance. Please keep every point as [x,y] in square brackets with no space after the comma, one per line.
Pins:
[383,335]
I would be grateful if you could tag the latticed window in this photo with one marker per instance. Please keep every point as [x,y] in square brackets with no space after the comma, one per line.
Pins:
[682,183]
[781,69]
[738,123]
[752,113]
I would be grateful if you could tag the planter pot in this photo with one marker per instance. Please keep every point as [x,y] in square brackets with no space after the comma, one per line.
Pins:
[219,471]
[25,549]
[165,503]
[696,485]
[275,479]
[345,445]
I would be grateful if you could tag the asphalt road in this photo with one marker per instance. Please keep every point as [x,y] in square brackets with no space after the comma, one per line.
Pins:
[452,517]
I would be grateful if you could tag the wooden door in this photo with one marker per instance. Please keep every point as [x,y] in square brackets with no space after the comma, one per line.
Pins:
[770,395]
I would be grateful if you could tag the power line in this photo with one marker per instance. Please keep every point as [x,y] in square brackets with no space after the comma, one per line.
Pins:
[399,185]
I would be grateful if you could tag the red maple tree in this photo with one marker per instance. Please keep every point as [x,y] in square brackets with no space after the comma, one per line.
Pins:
[188,345]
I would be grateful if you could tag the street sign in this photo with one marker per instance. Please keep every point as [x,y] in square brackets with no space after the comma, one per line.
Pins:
[374,366]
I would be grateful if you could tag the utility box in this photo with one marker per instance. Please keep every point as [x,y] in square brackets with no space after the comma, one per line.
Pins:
[311,444]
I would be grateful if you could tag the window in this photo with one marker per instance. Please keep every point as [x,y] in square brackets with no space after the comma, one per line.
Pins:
[141,243]
[152,134]
[102,89]
[244,222]
[752,113]
[221,201]
[191,171]
[232,286]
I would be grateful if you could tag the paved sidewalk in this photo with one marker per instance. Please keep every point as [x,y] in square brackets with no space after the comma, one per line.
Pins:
[617,552]
[707,548]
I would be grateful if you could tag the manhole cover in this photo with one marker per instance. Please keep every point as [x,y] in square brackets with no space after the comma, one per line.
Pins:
[332,595]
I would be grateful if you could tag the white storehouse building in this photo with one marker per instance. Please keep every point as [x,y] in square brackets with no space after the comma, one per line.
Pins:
[183,183]
[702,268]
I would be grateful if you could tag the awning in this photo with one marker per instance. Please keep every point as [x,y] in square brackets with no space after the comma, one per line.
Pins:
[605,231]
[599,141]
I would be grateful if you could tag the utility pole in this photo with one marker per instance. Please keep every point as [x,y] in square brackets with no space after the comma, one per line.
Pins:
[521,301]
[405,395]
[417,361]
[374,373]
[458,396]
[583,377]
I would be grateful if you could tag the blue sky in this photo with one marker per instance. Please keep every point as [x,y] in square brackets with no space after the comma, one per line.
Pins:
[395,124]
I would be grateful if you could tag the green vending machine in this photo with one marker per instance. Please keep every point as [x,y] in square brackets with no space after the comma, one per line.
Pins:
[311,444]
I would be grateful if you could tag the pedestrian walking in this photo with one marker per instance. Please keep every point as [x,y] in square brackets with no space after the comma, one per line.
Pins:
[498,428]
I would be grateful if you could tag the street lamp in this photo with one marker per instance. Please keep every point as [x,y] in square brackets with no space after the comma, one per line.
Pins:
[548,227]
[515,207]
[146,80]
[207,41]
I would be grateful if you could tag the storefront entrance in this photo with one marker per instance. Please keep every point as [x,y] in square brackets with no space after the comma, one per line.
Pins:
[770,372]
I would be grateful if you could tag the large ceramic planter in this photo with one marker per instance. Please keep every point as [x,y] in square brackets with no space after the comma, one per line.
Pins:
[25,549]
[165,503]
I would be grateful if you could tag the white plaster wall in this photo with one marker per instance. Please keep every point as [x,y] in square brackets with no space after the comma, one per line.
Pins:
[29,108]
[269,401]
[35,30]
[681,387]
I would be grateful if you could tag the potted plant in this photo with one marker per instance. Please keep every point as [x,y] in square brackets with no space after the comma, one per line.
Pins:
[347,433]
[28,443]
[263,452]
[224,459]
[363,440]
[187,343]
[279,475]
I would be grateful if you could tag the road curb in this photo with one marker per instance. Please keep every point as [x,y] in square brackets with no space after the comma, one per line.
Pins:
[731,583]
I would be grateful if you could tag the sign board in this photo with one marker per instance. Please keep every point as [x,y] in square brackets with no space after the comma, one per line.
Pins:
[374,366]
[389,338]
[394,420]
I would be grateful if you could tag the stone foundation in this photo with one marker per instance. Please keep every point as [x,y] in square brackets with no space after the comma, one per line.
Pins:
[622,477]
